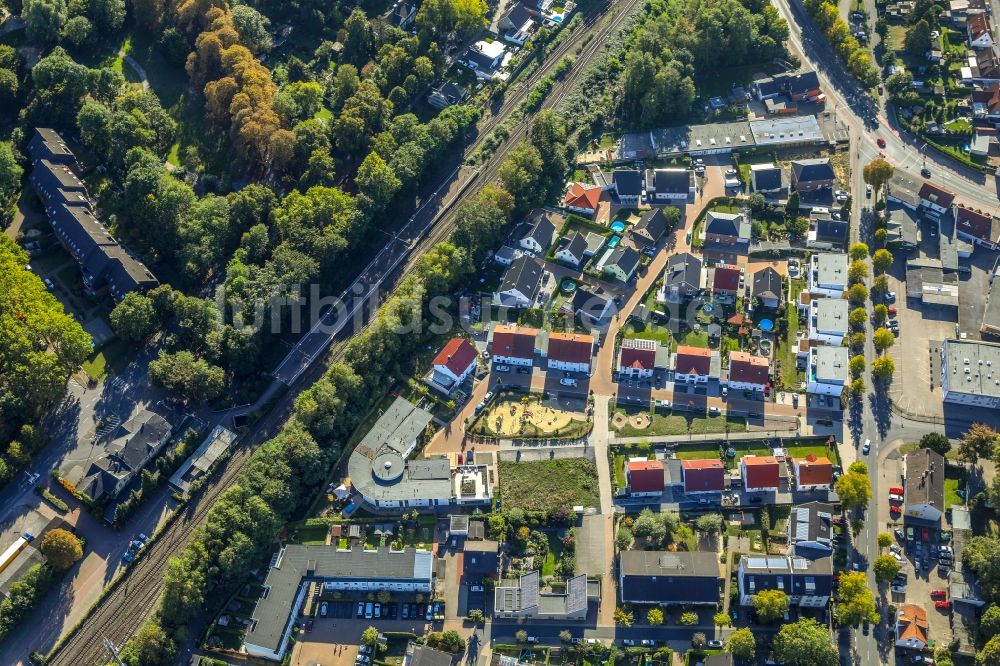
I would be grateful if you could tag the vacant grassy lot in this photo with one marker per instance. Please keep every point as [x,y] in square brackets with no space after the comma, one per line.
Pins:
[681,424]
[112,357]
[544,485]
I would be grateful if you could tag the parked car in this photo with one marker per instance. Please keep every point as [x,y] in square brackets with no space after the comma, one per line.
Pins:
[881,142]
[502,368]
[938,594]
[942,604]
[323,608]
[866,449]
[361,609]
[628,641]
[715,644]
[925,172]
[567,382]
[378,610]
[369,610]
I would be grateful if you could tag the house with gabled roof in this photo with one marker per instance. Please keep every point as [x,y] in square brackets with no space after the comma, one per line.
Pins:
[683,278]
[402,14]
[726,228]
[695,365]
[454,363]
[911,627]
[650,229]
[640,358]
[541,234]
[808,583]
[627,184]
[924,488]
[670,185]
[518,23]
[748,372]
[813,472]
[976,227]
[447,94]
[760,473]
[592,309]
[703,476]
[767,287]
[725,280]
[581,198]
[977,29]
[570,351]
[935,199]
[521,284]
[767,179]
[572,249]
[812,174]
[664,578]
[621,263]
[513,345]
[644,477]
[810,529]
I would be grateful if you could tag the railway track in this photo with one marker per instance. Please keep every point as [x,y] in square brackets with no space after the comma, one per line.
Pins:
[131,600]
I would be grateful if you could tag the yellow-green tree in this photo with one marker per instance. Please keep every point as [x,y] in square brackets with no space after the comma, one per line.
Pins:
[877,174]
[770,605]
[61,549]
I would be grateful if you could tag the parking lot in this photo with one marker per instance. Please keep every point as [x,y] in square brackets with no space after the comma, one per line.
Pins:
[334,641]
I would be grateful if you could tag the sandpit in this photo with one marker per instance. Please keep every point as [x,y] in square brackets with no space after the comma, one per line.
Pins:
[511,418]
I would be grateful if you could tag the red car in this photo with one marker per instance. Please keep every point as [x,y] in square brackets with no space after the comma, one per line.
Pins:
[892,313]
[881,142]
[938,594]
[895,510]
[942,604]
[924,534]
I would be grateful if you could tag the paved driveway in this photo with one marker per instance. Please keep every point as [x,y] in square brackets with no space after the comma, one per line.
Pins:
[590,547]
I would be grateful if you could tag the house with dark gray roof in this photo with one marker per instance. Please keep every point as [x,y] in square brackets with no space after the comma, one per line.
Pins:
[295,566]
[106,266]
[572,249]
[813,174]
[767,287]
[924,488]
[522,598]
[767,179]
[828,234]
[402,14]
[650,229]
[682,278]
[670,185]
[447,94]
[726,228]
[810,529]
[133,446]
[808,583]
[592,309]
[517,23]
[665,578]
[621,263]
[541,234]
[521,284]
[627,184]
[421,655]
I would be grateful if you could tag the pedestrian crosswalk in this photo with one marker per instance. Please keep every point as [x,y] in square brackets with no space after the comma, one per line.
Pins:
[108,426]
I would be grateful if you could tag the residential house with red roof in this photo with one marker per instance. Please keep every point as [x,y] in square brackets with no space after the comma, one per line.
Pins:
[455,362]
[935,199]
[977,28]
[911,627]
[976,227]
[645,477]
[749,373]
[694,365]
[760,473]
[639,359]
[581,198]
[703,476]
[513,345]
[726,280]
[570,351]
[813,473]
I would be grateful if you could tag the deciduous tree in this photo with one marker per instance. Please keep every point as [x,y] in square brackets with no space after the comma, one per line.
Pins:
[770,605]
[855,490]
[805,643]
[885,567]
[61,549]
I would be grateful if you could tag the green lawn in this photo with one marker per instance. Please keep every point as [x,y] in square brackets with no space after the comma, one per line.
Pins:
[788,348]
[694,339]
[683,424]
[544,485]
[112,357]
[697,451]
[636,330]
[951,497]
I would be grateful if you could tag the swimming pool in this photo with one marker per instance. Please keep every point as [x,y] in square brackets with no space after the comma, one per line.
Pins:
[766,325]
[613,241]
[557,18]
[617,226]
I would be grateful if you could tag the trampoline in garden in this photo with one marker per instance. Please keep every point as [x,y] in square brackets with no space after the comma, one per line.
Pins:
[618,226]
[707,308]
[766,325]
[567,286]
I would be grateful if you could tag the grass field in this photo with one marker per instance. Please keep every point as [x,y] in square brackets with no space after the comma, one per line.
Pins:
[682,424]
[112,357]
[544,485]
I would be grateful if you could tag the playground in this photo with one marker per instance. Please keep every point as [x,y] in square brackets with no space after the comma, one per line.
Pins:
[514,416]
